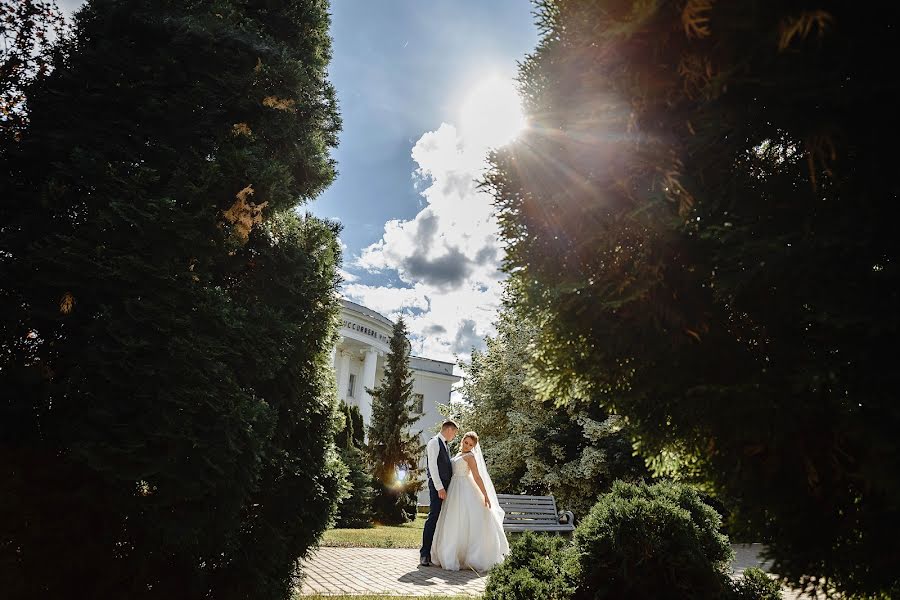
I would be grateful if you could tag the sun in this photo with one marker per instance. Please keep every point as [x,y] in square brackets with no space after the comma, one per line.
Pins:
[491,114]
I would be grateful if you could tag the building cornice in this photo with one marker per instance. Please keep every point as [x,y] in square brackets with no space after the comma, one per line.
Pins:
[433,375]
[359,309]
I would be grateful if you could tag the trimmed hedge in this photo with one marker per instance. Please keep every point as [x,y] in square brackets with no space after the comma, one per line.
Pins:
[652,541]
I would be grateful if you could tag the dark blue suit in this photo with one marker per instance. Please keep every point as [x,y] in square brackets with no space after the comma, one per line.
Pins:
[445,473]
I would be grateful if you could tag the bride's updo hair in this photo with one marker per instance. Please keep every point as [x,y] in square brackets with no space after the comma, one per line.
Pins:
[472,435]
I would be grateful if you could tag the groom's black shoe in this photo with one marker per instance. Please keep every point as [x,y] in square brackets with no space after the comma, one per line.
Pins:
[424,562]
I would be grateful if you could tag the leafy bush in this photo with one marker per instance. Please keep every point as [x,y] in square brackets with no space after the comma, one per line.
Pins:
[538,566]
[756,585]
[652,541]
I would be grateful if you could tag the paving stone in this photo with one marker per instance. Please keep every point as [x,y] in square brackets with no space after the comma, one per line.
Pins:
[396,571]
[383,571]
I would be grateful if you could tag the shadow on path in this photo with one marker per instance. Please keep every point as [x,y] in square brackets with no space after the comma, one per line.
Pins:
[429,576]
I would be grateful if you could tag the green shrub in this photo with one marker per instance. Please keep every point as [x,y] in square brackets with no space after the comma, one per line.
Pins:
[652,541]
[355,511]
[754,584]
[538,566]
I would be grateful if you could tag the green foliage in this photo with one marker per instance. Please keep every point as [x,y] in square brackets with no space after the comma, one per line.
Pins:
[393,448]
[699,223]
[638,542]
[166,318]
[538,566]
[652,541]
[754,584]
[355,511]
[533,446]
[352,433]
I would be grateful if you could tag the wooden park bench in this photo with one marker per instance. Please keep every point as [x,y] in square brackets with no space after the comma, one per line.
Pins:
[534,513]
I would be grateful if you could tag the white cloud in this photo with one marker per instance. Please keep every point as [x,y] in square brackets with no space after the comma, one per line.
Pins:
[389,301]
[68,7]
[448,255]
[347,276]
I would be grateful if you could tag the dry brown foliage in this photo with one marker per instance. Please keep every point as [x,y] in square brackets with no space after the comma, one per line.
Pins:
[802,25]
[244,214]
[277,103]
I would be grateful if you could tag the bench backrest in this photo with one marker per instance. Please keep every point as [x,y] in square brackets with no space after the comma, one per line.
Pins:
[529,510]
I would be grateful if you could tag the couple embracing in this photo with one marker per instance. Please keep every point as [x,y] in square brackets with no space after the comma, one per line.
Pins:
[464,529]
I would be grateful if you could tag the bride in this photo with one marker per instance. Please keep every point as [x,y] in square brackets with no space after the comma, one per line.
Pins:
[469,532]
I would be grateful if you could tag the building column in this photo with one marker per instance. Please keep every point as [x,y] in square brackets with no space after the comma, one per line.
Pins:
[368,382]
[343,375]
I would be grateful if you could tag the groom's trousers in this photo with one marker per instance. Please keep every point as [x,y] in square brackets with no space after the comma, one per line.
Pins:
[434,511]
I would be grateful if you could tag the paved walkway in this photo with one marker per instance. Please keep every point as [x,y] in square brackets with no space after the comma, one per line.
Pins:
[395,571]
[392,571]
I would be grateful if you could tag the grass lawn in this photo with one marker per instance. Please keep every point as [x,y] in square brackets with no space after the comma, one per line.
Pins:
[380,536]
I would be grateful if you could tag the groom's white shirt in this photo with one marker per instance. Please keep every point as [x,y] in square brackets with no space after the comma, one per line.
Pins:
[433,449]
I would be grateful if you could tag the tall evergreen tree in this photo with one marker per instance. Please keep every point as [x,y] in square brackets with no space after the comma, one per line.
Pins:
[574,452]
[355,511]
[165,316]
[394,449]
[700,222]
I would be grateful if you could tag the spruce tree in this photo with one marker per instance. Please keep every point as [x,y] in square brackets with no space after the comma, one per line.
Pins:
[355,511]
[165,315]
[700,220]
[394,450]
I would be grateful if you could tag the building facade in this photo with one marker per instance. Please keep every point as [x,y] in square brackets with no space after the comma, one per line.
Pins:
[359,359]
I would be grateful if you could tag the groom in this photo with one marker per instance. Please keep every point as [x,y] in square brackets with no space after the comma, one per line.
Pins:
[439,471]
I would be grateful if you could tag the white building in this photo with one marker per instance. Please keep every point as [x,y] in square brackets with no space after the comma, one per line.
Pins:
[359,359]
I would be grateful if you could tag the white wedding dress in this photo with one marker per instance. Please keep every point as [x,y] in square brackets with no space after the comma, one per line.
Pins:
[468,534]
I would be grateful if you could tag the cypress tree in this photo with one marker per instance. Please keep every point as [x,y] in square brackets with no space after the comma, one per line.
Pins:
[166,315]
[394,450]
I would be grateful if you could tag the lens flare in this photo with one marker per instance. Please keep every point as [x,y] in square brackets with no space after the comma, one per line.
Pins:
[491,114]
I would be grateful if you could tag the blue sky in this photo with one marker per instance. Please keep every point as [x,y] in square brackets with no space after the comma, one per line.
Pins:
[401,68]
[419,238]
